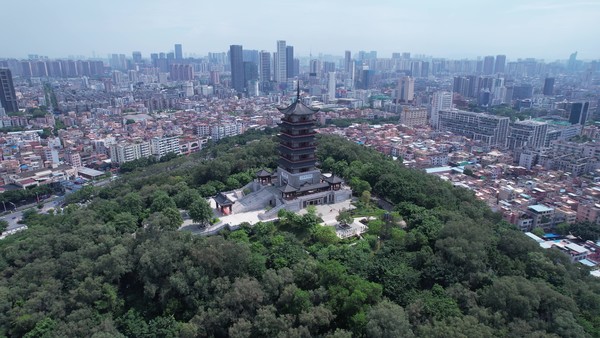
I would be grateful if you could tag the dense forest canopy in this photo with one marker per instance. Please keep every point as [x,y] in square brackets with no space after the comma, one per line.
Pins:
[113,265]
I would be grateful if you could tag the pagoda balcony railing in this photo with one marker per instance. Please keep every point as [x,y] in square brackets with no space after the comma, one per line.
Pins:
[296,165]
[299,146]
[299,122]
[297,152]
[296,170]
[298,159]
[296,127]
[310,133]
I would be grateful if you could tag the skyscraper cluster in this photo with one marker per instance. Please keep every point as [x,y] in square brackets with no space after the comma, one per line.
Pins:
[251,69]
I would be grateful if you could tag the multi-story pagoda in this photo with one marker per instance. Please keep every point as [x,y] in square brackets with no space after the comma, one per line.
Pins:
[298,178]
[297,146]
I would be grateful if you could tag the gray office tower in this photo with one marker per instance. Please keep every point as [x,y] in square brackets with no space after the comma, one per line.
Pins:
[488,65]
[8,98]
[548,86]
[578,114]
[264,66]
[348,61]
[236,57]
[178,52]
[500,64]
[289,61]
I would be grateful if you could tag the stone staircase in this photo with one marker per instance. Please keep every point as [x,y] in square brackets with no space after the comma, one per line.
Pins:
[254,201]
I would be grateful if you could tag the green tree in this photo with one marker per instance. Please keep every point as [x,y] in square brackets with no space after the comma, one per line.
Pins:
[585,230]
[168,157]
[43,329]
[207,190]
[160,201]
[359,186]
[365,197]
[133,324]
[184,198]
[344,217]
[232,183]
[164,327]
[538,232]
[562,228]
[3,225]
[325,235]
[125,222]
[133,203]
[201,212]
[387,319]
[174,219]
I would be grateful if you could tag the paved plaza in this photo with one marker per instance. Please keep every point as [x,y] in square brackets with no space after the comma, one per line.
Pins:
[328,212]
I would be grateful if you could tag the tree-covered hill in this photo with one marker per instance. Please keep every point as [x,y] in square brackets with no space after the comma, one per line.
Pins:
[114,266]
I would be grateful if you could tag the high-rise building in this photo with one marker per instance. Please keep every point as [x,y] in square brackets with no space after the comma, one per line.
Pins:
[527,134]
[160,146]
[500,64]
[578,112]
[8,98]
[178,72]
[250,55]
[315,67]
[178,52]
[548,86]
[328,67]
[264,66]
[215,77]
[137,57]
[441,101]
[296,66]
[280,63]
[521,92]
[572,64]
[489,129]
[237,67]
[250,72]
[348,61]
[488,65]
[289,61]
[406,89]
[331,87]
[413,116]
[465,86]
[154,59]
[125,152]
[26,70]
[221,131]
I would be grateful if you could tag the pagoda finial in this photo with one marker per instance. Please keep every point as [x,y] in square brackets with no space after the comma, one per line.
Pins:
[298,95]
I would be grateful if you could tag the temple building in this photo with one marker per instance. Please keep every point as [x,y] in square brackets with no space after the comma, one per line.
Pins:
[297,183]
[298,178]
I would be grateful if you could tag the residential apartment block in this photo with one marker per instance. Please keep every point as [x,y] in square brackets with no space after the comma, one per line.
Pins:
[125,152]
[160,146]
[489,129]
[413,116]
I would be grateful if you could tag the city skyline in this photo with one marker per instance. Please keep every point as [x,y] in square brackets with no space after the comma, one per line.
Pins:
[461,29]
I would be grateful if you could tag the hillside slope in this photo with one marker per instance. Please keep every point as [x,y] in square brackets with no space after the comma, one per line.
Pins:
[455,270]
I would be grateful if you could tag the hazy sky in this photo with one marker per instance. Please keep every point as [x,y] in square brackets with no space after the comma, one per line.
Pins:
[548,29]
